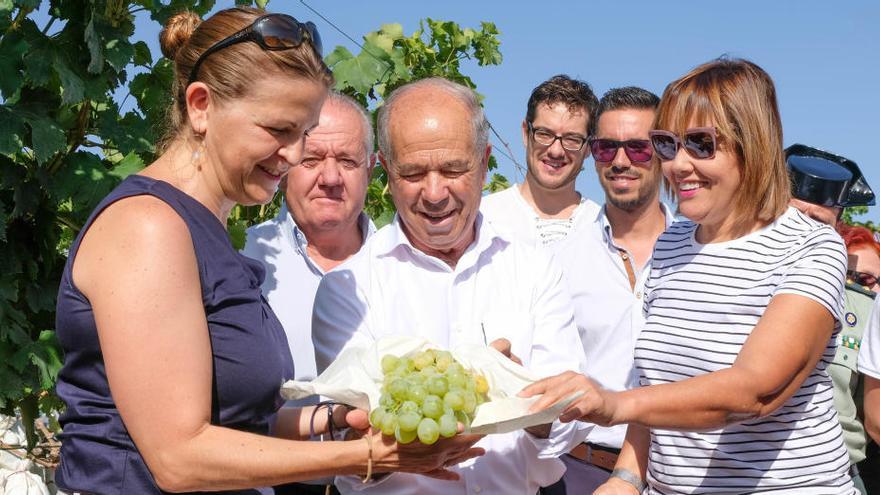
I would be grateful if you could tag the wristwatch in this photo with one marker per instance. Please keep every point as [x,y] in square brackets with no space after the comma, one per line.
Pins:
[629,477]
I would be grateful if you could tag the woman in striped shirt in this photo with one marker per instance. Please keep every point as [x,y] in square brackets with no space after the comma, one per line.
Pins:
[742,306]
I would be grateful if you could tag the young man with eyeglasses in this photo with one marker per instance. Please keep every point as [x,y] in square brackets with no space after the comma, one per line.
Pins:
[546,206]
[607,263]
[823,184]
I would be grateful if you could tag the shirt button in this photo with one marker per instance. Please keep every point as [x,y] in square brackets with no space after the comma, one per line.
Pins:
[638,295]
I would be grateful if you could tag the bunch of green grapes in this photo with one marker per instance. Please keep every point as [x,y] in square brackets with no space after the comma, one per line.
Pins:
[426,395]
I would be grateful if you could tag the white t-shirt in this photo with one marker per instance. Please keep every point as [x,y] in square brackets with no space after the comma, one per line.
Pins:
[702,302]
[869,352]
[509,213]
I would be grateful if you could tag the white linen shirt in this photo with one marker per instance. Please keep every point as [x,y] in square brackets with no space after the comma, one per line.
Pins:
[608,313]
[497,289]
[511,214]
[292,280]
[869,352]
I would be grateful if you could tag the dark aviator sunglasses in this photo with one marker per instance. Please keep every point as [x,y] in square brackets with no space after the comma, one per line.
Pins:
[637,150]
[271,32]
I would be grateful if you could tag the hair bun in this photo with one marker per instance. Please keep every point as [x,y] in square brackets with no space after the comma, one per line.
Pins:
[176,32]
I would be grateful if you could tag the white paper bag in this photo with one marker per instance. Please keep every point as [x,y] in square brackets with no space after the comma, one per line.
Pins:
[355,378]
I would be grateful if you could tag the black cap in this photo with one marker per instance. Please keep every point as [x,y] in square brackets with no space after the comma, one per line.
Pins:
[826,179]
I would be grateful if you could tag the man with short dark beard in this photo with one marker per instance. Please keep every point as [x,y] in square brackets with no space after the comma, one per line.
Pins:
[607,262]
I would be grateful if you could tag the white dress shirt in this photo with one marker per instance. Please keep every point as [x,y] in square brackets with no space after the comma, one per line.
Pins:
[869,354]
[608,313]
[511,214]
[497,289]
[292,280]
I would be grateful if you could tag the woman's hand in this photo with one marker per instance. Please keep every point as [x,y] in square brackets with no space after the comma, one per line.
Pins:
[429,460]
[615,486]
[593,403]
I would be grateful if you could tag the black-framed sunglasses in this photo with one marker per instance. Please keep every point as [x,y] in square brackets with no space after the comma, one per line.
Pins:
[570,142]
[699,142]
[867,280]
[637,150]
[271,32]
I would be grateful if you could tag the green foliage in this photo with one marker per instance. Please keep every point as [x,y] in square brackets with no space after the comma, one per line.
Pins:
[849,213]
[389,59]
[67,139]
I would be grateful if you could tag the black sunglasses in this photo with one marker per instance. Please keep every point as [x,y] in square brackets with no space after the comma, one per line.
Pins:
[271,32]
[637,150]
[699,142]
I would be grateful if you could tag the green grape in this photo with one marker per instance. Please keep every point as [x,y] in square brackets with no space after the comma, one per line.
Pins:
[454,367]
[386,400]
[428,431]
[409,406]
[423,360]
[482,385]
[388,424]
[404,437]
[409,420]
[444,359]
[432,406]
[454,400]
[448,425]
[416,393]
[463,418]
[376,416]
[389,363]
[456,380]
[429,372]
[470,402]
[438,385]
[398,389]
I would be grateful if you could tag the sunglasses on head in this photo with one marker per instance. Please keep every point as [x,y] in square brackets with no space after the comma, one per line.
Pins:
[271,32]
[637,150]
[698,142]
[867,280]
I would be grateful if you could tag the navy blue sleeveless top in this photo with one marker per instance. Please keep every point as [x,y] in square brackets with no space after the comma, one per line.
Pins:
[251,358]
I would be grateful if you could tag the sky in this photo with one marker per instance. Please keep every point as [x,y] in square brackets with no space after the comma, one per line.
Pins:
[823,56]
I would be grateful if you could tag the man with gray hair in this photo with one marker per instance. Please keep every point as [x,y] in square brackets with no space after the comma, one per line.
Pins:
[439,272]
[320,225]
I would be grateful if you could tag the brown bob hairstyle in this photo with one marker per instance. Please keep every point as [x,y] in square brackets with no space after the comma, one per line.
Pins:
[229,72]
[739,99]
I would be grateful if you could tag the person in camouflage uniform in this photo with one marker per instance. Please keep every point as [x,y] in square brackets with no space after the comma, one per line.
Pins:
[823,184]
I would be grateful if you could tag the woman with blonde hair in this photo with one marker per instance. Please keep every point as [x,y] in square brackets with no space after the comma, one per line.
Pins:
[173,359]
[742,305]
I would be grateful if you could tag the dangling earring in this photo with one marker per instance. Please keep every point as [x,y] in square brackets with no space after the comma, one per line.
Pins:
[197,155]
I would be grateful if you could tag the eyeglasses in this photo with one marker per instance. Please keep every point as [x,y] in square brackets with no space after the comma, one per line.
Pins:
[271,32]
[571,142]
[637,150]
[699,142]
[867,280]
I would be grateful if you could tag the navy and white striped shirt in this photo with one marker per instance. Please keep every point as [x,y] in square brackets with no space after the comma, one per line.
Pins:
[702,302]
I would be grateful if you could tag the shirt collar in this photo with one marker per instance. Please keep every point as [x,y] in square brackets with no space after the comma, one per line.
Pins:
[605,225]
[297,238]
[486,237]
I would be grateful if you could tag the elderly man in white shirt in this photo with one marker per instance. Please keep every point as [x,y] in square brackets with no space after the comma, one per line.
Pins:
[607,264]
[440,272]
[546,207]
[320,225]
